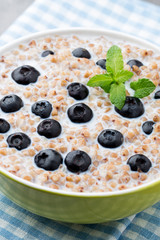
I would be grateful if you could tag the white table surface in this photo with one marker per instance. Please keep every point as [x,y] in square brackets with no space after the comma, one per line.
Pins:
[11,9]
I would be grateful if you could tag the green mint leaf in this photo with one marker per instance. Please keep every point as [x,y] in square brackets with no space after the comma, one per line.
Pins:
[114,60]
[143,87]
[118,95]
[123,75]
[103,80]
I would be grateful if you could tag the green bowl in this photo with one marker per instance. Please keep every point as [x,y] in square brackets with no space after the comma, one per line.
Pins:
[79,207]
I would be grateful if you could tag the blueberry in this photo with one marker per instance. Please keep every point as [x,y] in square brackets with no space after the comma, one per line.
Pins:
[25,75]
[132,108]
[77,161]
[4,126]
[48,159]
[18,140]
[80,113]
[81,53]
[102,63]
[110,138]
[139,162]
[135,62]
[157,95]
[49,128]
[147,127]
[11,103]
[78,91]
[42,108]
[46,53]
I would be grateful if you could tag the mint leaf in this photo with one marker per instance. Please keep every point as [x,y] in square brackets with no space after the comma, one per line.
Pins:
[123,75]
[118,95]
[143,87]
[103,80]
[114,61]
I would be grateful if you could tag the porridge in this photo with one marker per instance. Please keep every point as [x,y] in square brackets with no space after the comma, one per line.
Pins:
[58,132]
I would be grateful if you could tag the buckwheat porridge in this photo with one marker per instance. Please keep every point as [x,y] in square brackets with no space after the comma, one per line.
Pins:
[59,133]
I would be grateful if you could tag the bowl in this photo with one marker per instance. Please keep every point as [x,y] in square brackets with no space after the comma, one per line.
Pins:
[79,207]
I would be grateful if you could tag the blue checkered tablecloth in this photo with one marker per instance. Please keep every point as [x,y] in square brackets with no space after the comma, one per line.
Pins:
[135,17]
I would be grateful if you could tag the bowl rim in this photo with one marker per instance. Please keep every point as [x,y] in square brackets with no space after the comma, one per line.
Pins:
[80,31]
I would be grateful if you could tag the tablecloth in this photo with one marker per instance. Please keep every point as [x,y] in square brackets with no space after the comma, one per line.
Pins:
[135,17]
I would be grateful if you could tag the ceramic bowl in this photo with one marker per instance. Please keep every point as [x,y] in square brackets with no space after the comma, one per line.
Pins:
[79,207]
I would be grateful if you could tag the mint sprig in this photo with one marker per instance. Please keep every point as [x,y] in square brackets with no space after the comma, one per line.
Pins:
[113,81]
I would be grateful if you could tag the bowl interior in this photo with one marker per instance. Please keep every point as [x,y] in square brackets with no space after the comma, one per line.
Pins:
[113,35]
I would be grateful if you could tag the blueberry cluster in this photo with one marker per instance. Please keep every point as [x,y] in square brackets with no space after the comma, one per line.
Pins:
[76,161]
